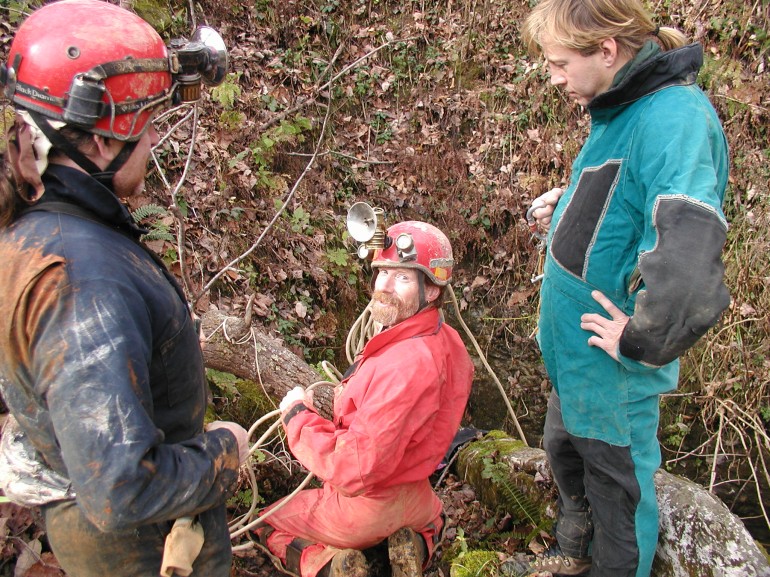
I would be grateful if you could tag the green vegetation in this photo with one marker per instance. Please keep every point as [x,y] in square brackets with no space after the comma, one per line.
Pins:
[157,219]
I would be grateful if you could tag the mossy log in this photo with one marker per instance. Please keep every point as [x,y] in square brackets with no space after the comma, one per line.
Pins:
[699,536]
[239,347]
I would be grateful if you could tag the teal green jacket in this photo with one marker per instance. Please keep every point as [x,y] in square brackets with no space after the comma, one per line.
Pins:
[640,221]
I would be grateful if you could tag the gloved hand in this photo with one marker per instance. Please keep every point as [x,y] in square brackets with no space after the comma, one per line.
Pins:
[241,435]
[291,398]
[183,545]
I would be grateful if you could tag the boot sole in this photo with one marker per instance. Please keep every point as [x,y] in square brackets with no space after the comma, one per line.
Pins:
[403,554]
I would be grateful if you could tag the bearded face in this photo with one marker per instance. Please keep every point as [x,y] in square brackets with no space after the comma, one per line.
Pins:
[390,309]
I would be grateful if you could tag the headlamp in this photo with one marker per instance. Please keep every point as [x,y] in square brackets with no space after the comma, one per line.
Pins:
[203,59]
[405,247]
[365,226]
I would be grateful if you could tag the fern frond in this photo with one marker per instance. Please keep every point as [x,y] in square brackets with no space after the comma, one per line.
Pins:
[148,210]
[158,234]
[517,500]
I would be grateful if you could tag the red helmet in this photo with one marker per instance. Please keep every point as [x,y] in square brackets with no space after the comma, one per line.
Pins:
[417,245]
[91,64]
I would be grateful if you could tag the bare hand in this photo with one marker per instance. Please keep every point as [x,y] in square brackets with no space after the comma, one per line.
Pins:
[607,331]
[543,206]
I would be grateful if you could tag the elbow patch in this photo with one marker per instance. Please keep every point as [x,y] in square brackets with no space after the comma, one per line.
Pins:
[683,276]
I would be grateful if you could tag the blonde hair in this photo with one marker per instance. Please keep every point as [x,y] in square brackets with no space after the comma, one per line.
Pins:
[582,25]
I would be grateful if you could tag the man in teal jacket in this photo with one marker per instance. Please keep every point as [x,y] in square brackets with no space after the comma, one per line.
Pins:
[633,275]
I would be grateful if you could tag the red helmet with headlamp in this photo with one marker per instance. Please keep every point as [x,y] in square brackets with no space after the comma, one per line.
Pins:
[90,64]
[103,69]
[419,245]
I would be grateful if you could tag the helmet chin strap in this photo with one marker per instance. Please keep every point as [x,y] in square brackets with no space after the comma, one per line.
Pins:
[421,291]
[63,145]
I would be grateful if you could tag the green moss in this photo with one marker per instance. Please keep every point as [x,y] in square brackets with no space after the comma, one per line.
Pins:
[475,564]
[238,400]
[495,443]
[503,488]
[169,20]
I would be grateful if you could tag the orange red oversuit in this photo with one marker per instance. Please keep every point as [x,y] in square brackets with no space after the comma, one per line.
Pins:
[395,415]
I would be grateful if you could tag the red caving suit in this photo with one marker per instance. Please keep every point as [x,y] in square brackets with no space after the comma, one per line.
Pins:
[395,417]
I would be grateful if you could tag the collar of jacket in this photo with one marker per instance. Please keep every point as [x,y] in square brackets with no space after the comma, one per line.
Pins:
[72,186]
[677,67]
[424,323]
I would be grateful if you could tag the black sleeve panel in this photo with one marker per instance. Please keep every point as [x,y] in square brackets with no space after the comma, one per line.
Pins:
[684,293]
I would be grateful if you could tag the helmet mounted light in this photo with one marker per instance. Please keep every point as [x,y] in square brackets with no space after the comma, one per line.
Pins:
[365,226]
[201,59]
[409,244]
[405,247]
[61,67]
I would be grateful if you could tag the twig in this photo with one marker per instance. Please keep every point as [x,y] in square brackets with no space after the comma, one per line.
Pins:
[692,453]
[753,472]
[191,6]
[343,155]
[174,207]
[717,445]
[755,107]
[355,63]
[303,102]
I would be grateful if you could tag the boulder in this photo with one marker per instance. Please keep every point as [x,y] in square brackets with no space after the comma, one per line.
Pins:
[699,536]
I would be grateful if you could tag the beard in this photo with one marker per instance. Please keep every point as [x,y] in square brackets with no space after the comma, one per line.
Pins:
[391,315]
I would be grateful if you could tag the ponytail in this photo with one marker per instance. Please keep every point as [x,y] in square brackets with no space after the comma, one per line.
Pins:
[670,38]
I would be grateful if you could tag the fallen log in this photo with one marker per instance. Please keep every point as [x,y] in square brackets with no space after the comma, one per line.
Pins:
[236,346]
[699,536]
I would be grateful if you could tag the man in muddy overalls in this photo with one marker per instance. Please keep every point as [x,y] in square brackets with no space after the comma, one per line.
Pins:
[100,361]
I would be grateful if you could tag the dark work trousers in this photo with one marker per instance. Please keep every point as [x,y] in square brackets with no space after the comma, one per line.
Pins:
[598,497]
[84,551]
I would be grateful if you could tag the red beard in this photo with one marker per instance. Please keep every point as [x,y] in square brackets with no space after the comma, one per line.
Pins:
[394,314]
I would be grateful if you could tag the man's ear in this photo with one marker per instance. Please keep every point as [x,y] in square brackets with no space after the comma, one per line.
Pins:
[431,292]
[609,48]
[105,149]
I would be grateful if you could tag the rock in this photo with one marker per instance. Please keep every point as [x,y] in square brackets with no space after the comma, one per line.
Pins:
[699,536]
